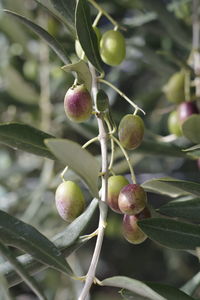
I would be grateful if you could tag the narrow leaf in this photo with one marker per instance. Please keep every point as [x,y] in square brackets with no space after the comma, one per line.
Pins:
[31,282]
[56,8]
[167,291]
[193,151]
[185,207]
[190,286]
[171,233]
[187,186]
[25,137]
[66,9]
[18,234]
[67,237]
[82,71]
[191,127]
[133,285]
[86,34]
[79,160]
[164,188]
[66,240]
[52,42]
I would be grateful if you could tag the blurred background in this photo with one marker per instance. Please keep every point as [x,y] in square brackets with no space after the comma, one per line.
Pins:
[32,89]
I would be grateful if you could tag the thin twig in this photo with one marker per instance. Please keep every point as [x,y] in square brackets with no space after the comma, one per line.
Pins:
[90,277]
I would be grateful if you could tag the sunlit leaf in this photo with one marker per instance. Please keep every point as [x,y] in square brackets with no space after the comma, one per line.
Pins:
[78,159]
[193,151]
[171,233]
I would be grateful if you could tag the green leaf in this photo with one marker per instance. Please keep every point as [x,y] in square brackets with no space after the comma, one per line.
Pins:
[86,34]
[191,127]
[133,285]
[52,42]
[82,71]
[78,159]
[63,15]
[167,291]
[164,188]
[193,151]
[193,284]
[172,187]
[16,233]
[185,207]
[67,237]
[171,233]
[187,186]
[31,282]
[26,138]
[66,240]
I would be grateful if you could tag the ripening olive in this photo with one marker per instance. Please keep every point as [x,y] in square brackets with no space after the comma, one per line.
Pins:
[132,199]
[112,47]
[186,109]
[115,184]
[131,131]
[131,231]
[174,124]
[70,201]
[78,103]
[174,89]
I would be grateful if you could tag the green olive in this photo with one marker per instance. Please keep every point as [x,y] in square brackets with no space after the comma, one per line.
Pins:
[174,124]
[174,89]
[131,131]
[112,47]
[70,201]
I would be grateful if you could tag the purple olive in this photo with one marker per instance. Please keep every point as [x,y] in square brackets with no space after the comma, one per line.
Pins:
[132,199]
[131,131]
[186,109]
[115,184]
[131,231]
[78,103]
[70,201]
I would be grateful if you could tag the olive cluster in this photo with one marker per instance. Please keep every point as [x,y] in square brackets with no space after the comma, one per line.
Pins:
[111,46]
[175,93]
[130,200]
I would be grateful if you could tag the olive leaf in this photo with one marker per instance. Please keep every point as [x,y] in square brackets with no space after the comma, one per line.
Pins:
[82,71]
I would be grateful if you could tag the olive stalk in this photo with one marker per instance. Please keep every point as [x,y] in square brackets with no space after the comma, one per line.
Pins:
[121,94]
[104,12]
[90,277]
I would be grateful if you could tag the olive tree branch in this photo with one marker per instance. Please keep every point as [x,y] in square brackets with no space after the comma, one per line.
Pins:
[90,277]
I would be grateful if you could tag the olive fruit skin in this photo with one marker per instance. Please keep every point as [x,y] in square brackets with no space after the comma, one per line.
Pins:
[112,48]
[78,103]
[132,199]
[131,231]
[115,184]
[186,109]
[174,124]
[174,89]
[70,201]
[131,131]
